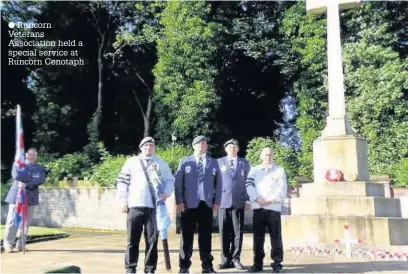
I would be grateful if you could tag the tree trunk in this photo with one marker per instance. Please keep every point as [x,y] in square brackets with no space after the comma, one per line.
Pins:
[146,117]
[97,117]
[146,114]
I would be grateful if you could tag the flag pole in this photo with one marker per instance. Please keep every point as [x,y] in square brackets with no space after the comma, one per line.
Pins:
[19,160]
[24,224]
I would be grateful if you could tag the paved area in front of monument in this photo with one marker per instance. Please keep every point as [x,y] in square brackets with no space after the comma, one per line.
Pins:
[105,254]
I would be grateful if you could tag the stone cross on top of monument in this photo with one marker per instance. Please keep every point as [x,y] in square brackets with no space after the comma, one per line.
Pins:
[338,148]
[337,122]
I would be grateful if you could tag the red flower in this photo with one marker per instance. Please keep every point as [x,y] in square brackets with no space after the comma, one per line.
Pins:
[334,175]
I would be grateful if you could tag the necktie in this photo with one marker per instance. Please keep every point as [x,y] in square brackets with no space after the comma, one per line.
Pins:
[232,169]
[200,169]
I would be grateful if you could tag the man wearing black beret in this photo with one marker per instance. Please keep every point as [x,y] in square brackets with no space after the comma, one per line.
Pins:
[234,171]
[198,193]
[137,193]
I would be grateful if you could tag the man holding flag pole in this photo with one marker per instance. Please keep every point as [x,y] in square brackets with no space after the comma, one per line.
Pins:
[24,193]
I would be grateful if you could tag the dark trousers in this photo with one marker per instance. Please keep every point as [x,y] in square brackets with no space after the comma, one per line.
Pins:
[231,224]
[139,217]
[190,218]
[272,220]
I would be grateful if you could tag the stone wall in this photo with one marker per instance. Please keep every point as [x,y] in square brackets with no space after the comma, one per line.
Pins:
[79,207]
[98,208]
[95,208]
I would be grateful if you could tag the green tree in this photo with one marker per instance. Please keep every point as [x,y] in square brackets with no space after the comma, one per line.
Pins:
[185,96]
[283,155]
[377,84]
[303,62]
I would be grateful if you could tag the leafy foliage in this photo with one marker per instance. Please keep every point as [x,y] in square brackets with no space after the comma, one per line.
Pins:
[171,156]
[304,64]
[216,68]
[184,90]
[70,166]
[401,173]
[377,85]
[96,151]
[106,173]
[5,187]
[283,155]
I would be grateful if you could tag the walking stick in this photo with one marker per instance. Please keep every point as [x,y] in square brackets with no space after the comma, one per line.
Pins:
[166,254]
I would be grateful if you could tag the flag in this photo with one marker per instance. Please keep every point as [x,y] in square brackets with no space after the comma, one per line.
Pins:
[21,210]
[162,215]
[19,157]
[163,220]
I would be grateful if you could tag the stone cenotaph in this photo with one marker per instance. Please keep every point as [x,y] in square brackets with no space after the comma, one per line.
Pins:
[323,208]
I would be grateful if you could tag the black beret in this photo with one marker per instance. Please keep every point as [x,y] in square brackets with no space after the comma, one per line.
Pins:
[199,139]
[146,140]
[232,141]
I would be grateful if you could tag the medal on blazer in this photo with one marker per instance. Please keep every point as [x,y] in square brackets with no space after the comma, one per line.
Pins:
[187,169]
[35,175]
[223,168]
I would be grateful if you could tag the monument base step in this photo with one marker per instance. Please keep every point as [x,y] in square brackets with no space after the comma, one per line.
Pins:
[378,231]
[346,206]
[342,189]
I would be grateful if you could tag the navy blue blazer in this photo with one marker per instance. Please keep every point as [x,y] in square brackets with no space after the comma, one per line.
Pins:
[186,184]
[33,175]
[233,188]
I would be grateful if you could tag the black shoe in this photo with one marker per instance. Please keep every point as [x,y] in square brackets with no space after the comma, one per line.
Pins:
[238,265]
[276,268]
[130,270]
[225,265]
[255,268]
[184,270]
[208,270]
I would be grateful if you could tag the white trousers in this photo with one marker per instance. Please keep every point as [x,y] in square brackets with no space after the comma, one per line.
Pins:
[11,229]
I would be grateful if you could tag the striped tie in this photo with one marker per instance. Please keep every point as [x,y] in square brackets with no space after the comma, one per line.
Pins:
[200,169]
[232,169]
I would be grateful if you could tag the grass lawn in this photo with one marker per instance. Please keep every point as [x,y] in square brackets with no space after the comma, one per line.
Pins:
[36,231]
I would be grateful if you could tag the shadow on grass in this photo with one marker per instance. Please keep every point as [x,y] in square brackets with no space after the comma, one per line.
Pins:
[67,269]
[41,238]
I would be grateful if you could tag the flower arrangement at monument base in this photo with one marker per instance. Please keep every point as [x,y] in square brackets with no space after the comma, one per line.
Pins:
[334,175]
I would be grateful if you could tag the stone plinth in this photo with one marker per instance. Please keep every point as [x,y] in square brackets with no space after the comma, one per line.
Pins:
[347,206]
[347,153]
[342,189]
[323,210]
[378,231]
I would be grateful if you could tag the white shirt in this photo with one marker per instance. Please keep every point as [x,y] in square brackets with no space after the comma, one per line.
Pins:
[201,186]
[268,182]
[132,186]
